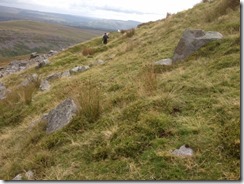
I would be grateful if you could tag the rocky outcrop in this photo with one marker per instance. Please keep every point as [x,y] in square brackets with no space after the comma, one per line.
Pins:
[35,59]
[191,41]
[60,116]
[14,67]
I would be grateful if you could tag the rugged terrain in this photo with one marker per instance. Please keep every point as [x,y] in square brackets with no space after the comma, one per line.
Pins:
[129,117]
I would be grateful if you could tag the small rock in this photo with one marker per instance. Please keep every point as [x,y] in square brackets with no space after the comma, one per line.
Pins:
[29,175]
[54,76]
[65,74]
[44,85]
[42,63]
[100,62]
[33,55]
[52,52]
[183,151]
[166,62]
[18,177]
[31,78]
[79,69]
[97,62]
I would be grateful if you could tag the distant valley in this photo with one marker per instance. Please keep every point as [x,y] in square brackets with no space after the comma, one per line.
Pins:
[21,37]
[26,31]
[7,13]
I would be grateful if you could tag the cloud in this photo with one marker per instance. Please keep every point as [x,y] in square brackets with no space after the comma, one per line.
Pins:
[143,10]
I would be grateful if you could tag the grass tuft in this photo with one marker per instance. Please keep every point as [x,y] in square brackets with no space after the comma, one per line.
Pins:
[148,80]
[88,52]
[90,102]
[222,9]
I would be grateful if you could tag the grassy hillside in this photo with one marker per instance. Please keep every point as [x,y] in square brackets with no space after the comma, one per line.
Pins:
[132,115]
[23,37]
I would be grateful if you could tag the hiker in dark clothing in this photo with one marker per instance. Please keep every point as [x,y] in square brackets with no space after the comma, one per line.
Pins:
[105,38]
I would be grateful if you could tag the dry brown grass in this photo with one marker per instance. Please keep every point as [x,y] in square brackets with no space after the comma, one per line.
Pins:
[90,102]
[148,80]
[88,51]
[128,33]
[223,7]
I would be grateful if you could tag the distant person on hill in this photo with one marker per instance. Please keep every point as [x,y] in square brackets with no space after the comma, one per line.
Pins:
[105,38]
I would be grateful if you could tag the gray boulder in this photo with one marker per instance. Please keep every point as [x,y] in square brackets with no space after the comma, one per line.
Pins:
[60,116]
[191,41]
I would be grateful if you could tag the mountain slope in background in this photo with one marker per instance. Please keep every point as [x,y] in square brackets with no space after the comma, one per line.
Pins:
[7,13]
[132,114]
[23,37]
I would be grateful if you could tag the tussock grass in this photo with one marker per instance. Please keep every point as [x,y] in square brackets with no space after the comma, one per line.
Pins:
[30,89]
[87,51]
[90,102]
[128,33]
[221,9]
[148,80]
[133,114]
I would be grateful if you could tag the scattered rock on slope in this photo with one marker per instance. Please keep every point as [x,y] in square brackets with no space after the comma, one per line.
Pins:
[61,115]
[42,63]
[192,40]
[166,62]
[184,150]
[27,176]
[3,91]
[79,69]
[44,85]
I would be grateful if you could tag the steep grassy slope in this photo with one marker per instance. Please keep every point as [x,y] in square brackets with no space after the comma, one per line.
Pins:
[132,115]
[23,37]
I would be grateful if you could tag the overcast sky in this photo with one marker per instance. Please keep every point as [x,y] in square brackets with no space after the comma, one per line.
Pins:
[139,10]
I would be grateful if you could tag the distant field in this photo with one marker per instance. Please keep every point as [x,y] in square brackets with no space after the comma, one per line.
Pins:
[23,37]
